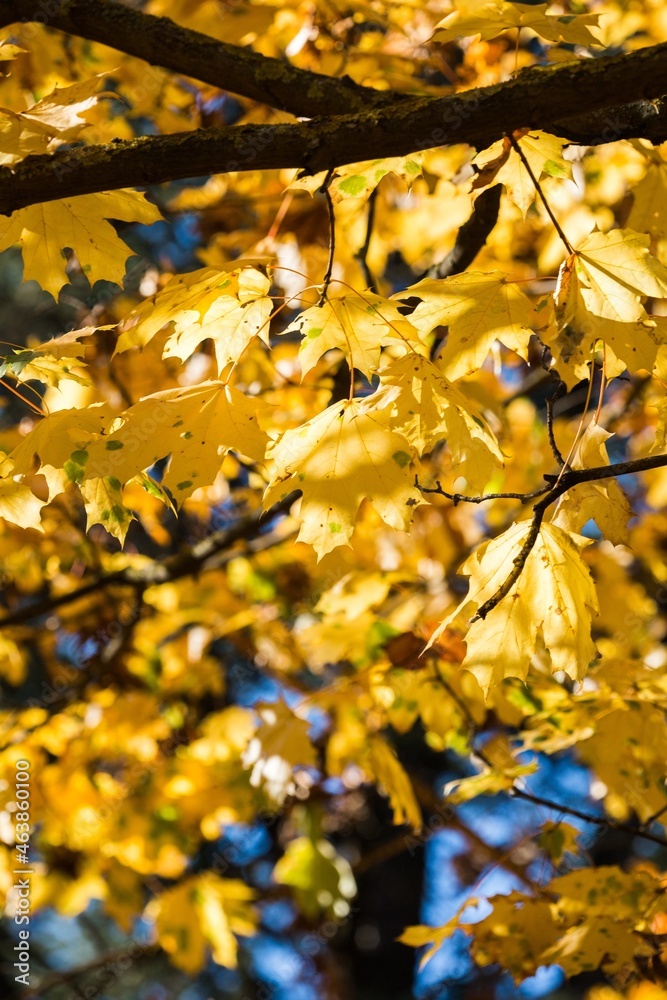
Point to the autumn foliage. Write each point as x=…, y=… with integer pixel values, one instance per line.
x=332, y=488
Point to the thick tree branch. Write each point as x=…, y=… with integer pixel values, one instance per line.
x=161, y=42
x=546, y=98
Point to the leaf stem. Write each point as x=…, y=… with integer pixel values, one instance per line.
x=522, y=156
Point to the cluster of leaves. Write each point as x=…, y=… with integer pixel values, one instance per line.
x=281, y=460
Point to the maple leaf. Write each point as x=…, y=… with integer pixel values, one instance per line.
x=394, y=782
x=516, y=933
x=603, y=502
x=499, y=777
x=51, y=362
x=337, y=459
x=649, y=197
x=230, y=306
x=18, y=504
x=613, y=271
x=500, y=163
x=420, y=935
x=197, y=426
x=358, y=180
x=554, y=596
x=478, y=308
x=56, y=447
x=426, y=407
x=80, y=224
x=359, y=325
x=103, y=500
x=202, y=913
x=598, y=297
x=280, y=744
x=489, y=19
x=56, y=117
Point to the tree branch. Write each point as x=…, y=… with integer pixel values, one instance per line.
x=161, y=42
x=555, y=488
x=188, y=563
x=472, y=235
x=634, y=831
x=546, y=98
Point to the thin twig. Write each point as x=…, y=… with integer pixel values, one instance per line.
x=654, y=817
x=522, y=156
x=332, y=236
x=561, y=391
x=362, y=253
x=634, y=831
x=458, y=498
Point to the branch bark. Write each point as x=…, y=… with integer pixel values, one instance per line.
x=547, y=98
x=161, y=42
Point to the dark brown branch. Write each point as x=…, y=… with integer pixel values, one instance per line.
x=556, y=487
x=589, y=817
x=331, y=216
x=362, y=253
x=200, y=557
x=161, y=42
x=541, y=97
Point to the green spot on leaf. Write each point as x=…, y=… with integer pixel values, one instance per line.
x=354, y=186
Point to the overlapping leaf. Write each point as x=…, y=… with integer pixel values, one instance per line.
x=478, y=308
x=426, y=408
x=554, y=597
x=489, y=19
x=79, y=224
x=230, y=306
x=344, y=455
x=359, y=325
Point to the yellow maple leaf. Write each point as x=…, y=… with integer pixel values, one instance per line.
x=358, y=180
x=280, y=744
x=488, y=18
x=649, y=198
x=420, y=935
x=500, y=163
x=18, y=504
x=103, y=499
x=516, y=933
x=230, y=306
x=394, y=782
x=613, y=270
x=478, y=308
x=426, y=408
x=56, y=117
x=202, y=913
x=603, y=502
x=358, y=325
x=197, y=425
x=80, y=224
x=599, y=297
x=337, y=459
x=50, y=362
x=554, y=596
